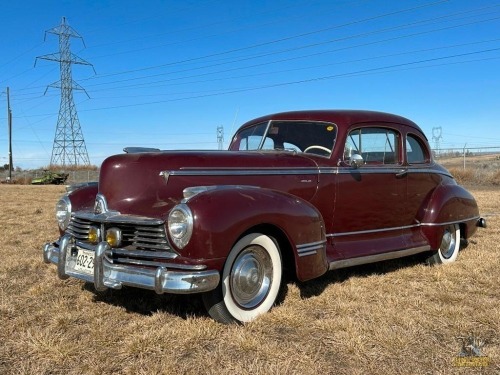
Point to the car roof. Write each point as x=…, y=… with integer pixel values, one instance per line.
x=339, y=117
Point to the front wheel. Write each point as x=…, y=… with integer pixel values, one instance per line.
x=450, y=246
x=251, y=280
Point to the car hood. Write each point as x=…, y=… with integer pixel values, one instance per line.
x=149, y=184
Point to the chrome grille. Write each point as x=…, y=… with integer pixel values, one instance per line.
x=79, y=228
x=134, y=237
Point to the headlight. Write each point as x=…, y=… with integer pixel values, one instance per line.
x=180, y=225
x=63, y=212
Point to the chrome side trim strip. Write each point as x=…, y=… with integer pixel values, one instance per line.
x=450, y=222
x=191, y=191
x=401, y=228
x=239, y=172
x=310, y=248
x=377, y=257
x=294, y=171
x=371, y=231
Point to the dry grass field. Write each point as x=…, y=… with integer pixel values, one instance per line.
x=395, y=317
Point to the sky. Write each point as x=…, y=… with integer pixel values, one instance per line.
x=167, y=74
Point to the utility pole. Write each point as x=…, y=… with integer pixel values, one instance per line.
x=9, y=120
x=69, y=146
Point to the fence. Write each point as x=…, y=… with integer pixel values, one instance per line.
x=465, y=157
x=25, y=177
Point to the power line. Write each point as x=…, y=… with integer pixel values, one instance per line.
x=273, y=41
x=294, y=49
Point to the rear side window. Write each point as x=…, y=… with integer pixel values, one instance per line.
x=416, y=152
x=375, y=145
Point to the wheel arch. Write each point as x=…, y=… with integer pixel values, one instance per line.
x=448, y=204
x=224, y=216
x=283, y=243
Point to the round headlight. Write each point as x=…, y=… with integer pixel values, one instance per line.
x=63, y=212
x=180, y=225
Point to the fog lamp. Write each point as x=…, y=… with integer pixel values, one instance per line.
x=94, y=235
x=114, y=237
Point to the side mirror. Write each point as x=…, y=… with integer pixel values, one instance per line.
x=356, y=161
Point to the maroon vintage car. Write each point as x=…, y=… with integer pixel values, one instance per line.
x=297, y=192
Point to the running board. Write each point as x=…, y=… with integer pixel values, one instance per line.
x=377, y=258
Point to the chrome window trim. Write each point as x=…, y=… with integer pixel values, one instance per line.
x=261, y=144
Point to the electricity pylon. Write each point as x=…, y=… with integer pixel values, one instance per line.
x=220, y=137
x=69, y=146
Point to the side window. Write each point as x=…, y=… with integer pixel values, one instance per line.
x=375, y=145
x=415, y=152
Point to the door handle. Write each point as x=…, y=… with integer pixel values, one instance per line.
x=402, y=173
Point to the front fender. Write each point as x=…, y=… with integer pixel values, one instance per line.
x=448, y=204
x=83, y=197
x=221, y=217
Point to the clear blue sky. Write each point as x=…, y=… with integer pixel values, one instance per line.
x=170, y=72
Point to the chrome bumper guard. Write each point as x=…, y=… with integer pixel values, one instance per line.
x=108, y=275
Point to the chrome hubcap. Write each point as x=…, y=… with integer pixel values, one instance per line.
x=251, y=277
x=448, y=242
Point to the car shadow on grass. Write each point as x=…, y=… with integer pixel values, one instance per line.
x=147, y=302
x=315, y=287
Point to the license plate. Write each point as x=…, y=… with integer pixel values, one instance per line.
x=85, y=261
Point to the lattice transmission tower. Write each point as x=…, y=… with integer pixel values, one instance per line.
x=220, y=137
x=69, y=146
x=437, y=137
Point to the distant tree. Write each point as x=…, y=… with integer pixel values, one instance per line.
x=6, y=167
x=19, y=169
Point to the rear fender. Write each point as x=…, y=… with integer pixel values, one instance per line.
x=448, y=204
x=222, y=216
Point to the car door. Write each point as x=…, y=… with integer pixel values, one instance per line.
x=370, y=199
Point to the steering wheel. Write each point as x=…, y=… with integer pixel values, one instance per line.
x=312, y=147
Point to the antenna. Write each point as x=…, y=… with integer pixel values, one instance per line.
x=69, y=146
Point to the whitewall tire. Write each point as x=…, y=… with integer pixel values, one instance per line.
x=450, y=246
x=250, y=283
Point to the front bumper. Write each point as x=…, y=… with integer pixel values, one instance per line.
x=108, y=275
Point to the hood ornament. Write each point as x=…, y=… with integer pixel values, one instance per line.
x=100, y=205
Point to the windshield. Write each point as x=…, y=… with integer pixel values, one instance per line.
x=299, y=136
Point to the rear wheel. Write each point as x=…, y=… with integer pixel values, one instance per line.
x=250, y=282
x=450, y=246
